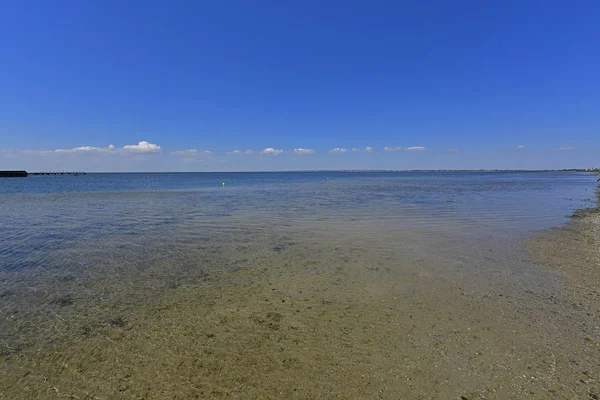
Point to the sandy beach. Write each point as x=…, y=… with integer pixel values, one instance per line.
x=573, y=253
x=324, y=316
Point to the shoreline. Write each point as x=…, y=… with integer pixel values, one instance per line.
x=366, y=171
x=572, y=251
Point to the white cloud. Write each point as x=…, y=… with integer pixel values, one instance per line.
x=85, y=148
x=414, y=148
x=338, y=150
x=81, y=149
x=142, y=147
x=520, y=146
x=566, y=148
x=301, y=151
x=271, y=151
x=191, y=153
x=241, y=153
x=366, y=149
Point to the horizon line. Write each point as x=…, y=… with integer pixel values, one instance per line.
x=333, y=170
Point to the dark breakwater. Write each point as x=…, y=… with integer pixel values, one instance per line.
x=13, y=174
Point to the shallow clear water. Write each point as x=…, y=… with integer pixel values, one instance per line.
x=45, y=219
x=148, y=228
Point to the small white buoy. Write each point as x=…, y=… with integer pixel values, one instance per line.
x=223, y=184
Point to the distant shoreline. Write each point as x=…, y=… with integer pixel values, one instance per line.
x=588, y=170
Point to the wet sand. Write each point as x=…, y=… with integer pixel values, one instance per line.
x=321, y=315
x=573, y=253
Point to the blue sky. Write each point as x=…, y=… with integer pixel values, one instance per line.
x=439, y=84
